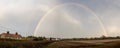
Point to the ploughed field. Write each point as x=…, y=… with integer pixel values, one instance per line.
x=107, y=43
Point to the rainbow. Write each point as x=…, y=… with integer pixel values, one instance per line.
x=77, y=4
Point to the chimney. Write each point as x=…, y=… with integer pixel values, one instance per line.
x=8, y=32
x=16, y=33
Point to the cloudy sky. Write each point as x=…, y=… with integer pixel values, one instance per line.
x=61, y=18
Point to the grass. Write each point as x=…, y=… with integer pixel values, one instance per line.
x=24, y=44
x=58, y=44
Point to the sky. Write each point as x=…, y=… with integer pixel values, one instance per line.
x=61, y=18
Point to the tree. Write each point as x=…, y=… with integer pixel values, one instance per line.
x=103, y=36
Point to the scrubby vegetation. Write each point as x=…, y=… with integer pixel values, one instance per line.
x=24, y=44
x=93, y=38
x=42, y=42
x=36, y=42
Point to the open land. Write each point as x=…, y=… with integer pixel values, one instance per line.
x=106, y=43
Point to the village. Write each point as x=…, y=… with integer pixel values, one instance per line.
x=17, y=36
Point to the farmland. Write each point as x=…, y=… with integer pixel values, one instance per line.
x=106, y=43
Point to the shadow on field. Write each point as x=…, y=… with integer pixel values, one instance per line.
x=24, y=44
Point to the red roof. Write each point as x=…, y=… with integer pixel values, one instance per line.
x=11, y=35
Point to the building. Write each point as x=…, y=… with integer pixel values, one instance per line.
x=10, y=36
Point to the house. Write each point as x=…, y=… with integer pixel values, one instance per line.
x=10, y=36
